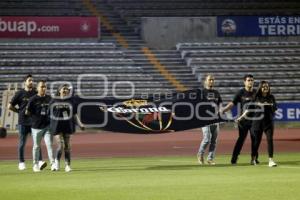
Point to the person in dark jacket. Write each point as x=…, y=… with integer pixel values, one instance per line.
x=263, y=121
x=210, y=132
x=18, y=104
x=37, y=108
x=62, y=124
x=242, y=98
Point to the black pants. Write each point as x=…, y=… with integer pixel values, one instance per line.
x=269, y=131
x=63, y=145
x=243, y=131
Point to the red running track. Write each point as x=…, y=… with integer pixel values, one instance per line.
x=108, y=144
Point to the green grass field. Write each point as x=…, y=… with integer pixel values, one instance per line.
x=156, y=178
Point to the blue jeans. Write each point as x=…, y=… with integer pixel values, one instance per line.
x=210, y=135
x=37, y=135
x=24, y=131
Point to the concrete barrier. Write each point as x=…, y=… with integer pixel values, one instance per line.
x=166, y=32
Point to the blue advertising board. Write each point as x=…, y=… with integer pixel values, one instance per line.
x=286, y=112
x=258, y=26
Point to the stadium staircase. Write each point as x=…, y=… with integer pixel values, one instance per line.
x=280, y=59
x=134, y=45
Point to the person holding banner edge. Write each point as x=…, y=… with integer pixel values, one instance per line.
x=264, y=122
x=210, y=132
x=242, y=98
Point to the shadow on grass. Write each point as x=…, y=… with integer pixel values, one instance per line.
x=151, y=167
x=184, y=167
x=178, y=167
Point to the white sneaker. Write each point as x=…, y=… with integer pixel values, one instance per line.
x=22, y=166
x=56, y=164
x=68, y=168
x=211, y=162
x=36, y=168
x=53, y=167
x=200, y=159
x=42, y=165
x=272, y=163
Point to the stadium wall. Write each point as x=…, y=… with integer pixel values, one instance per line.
x=166, y=32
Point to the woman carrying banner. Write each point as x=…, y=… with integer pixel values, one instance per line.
x=263, y=121
x=210, y=132
x=62, y=124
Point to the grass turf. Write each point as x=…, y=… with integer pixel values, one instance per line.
x=156, y=178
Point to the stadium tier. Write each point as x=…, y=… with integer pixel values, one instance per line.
x=67, y=61
x=127, y=61
x=132, y=10
x=277, y=62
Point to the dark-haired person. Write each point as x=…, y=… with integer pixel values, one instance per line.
x=20, y=99
x=210, y=132
x=264, y=122
x=38, y=108
x=62, y=124
x=243, y=97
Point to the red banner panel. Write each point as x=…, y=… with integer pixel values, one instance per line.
x=49, y=27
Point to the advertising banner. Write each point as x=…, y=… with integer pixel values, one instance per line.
x=288, y=112
x=49, y=27
x=246, y=26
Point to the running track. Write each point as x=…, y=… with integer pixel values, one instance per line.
x=108, y=144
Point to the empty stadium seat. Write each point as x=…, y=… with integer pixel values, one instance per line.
x=276, y=62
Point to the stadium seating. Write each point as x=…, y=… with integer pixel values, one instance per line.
x=54, y=62
x=132, y=10
x=276, y=62
x=65, y=61
x=41, y=8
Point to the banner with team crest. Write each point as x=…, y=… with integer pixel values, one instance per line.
x=186, y=110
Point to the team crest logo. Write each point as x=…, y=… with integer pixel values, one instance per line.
x=135, y=103
x=142, y=115
x=228, y=26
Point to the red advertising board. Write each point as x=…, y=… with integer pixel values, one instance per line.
x=49, y=27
